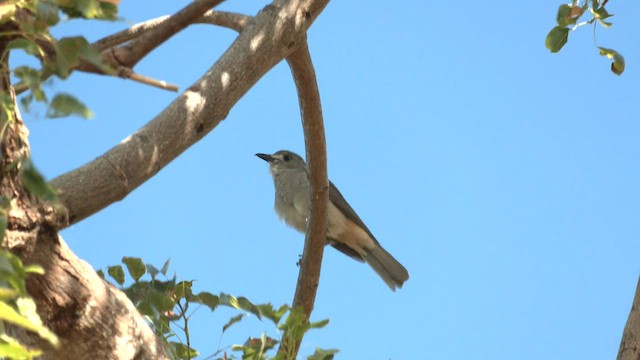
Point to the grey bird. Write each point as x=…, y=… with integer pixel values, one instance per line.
x=345, y=231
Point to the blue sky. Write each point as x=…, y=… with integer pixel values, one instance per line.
x=504, y=177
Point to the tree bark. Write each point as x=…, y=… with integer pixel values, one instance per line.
x=93, y=319
x=630, y=343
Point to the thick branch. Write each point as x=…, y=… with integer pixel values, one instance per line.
x=265, y=41
x=316, y=153
x=630, y=343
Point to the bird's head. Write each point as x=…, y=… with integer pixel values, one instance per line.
x=283, y=160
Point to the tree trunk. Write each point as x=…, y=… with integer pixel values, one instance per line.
x=630, y=343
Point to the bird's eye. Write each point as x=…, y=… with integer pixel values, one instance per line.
x=286, y=157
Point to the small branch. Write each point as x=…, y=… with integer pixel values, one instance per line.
x=630, y=343
x=130, y=54
x=316, y=153
x=129, y=74
x=129, y=34
x=229, y=20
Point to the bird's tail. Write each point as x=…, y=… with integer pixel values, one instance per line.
x=387, y=267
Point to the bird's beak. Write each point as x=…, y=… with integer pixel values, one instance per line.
x=266, y=157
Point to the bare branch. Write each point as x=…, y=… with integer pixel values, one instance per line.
x=314, y=138
x=630, y=343
x=131, y=53
x=229, y=20
x=129, y=34
x=275, y=33
x=129, y=74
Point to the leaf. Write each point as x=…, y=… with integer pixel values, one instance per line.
x=321, y=354
x=556, y=38
x=135, y=266
x=152, y=270
x=165, y=267
x=617, y=66
x=270, y=313
x=28, y=46
x=241, y=303
x=232, y=321
x=207, y=299
x=27, y=318
x=183, y=289
x=100, y=273
x=11, y=348
x=116, y=274
x=184, y=352
x=35, y=183
x=47, y=12
x=64, y=105
x=564, y=13
x=34, y=269
x=319, y=324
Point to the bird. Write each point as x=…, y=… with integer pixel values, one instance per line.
x=346, y=232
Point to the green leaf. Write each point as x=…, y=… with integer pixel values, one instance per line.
x=165, y=267
x=64, y=105
x=11, y=348
x=3, y=224
x=7, y=294
x=152, y=270
x=184, y=352
x=556, y=38
x=27, y=318
x=319, y=324
x=564, y=15
x=47, y=12
x=241, y=303
x=208, y=299
x=232, y=321
x=135, y=266
x=35, y=183
x=617, y=66
x=600, y=13
x=116, y=274
x=34, y=269
x=100, y=273
x=321, y=354
x=183, y=289
x=270, y=313
x=28, y=46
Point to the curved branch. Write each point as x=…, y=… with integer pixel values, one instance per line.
x=130, y=54
x=630, y=343
x=274, y=34
x=316, y=153
x=226, y=19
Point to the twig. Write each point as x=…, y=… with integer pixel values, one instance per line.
x=314, y=138
x=129, y=74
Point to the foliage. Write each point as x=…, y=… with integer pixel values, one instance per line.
x=17, y=308
x=168, y=304
x=26, y=24
x=567, y=19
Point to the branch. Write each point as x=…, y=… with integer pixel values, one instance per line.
x=274, y=33
x=630, y=343
x=314, y=138
x=130, y=54
x=222, y=18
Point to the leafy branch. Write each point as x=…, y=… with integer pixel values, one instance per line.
x=168, y=304
x=567, y=20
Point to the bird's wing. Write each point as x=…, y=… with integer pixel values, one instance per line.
x=339, y=201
